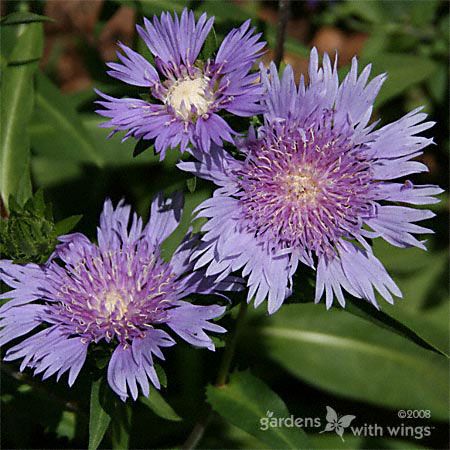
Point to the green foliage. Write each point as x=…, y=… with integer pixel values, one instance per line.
x=347, y=355
x=245, y=400
x=159, y=406
x=63, y=126
x=23, y=17
x=120, y=425
x=99, y=418
x=210, y=46
x=363, y=361
x=29, y=234
x=403, y=72
x=414, y=327
x=17, y=94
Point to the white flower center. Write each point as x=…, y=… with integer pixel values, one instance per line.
x=188, y=92
x=301, y=187
x=115, y=305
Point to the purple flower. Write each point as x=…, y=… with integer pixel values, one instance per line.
x=315, y=184
x=187, y=93
x=119, y=292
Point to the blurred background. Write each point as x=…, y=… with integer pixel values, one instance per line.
x=364, y=363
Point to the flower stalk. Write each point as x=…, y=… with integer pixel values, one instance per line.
x=222, y=376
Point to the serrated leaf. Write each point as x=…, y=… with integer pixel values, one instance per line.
x=347, y=355
x=28, y=235
x=17, y=101
x=159, y=406
x=67, y=224
x=247, y=403
x=99, y=419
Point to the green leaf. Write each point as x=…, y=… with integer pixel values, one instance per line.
x=67, y=425
x=121, y=426
x=67, y=224
x=191, y=201
x=347, y=355
x=423, y=13
x=191, y=183
x=62, y=126
x=419, y=274
x=414, y=327
x=29, y=44
x=370, y=12
x=99, y=419
x=404, y=71
x=210, y=46
x=141, y=146
x=162, y=377
x=159, y=406
x=17, y=100
x=20, y=17
x=29, y=234
x=431, y=331
x=49, y=172
x=247, y=403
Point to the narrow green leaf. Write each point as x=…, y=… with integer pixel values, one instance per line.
x=68, y=133
x=29, y=44
x=414, y=327
x=99, y=419
x=433, y=332
x=17, y=102
x=162, y=377
x=20, y=17
x=159, y=406
x=347, y=355
x=67, y=224
x=247, y=403
x=121, y=426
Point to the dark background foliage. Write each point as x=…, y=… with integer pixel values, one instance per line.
x=361, y=362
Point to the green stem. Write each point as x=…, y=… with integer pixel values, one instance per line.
x=230, y=348
x=222, y=376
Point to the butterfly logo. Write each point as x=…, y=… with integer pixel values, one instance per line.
x=336, y=423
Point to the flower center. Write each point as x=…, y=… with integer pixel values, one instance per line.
x=305, y=189
x=187, y=93
x=115, y=305
x=117, y=294
x=300, y=187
